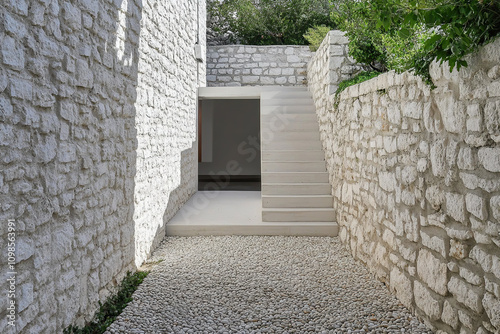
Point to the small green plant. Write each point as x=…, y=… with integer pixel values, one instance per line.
x=363, y=76
x=112, y=307
x=315, y=36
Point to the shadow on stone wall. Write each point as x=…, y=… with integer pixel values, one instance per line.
x=69, y=145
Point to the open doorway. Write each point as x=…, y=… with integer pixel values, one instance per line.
x=229, y=144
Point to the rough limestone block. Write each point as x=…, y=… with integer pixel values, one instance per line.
x=21, y=89
x=495, y=207
x=12, y=53
x=84, y=75
x=425, y=300
x=72, y=15
x=432, y=271
x=476, y=205
x=494, y=89
x=435, y=239
x=466, y=294
x=450, y=315
x=438, y=155
x=455, y=206
x=482, y=257
x=490, y=158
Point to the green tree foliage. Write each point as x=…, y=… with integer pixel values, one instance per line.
x=315, y=36
x=267, y=22
x=410, y=34
x=456, y=28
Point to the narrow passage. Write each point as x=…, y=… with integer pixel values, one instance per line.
x=261, y=285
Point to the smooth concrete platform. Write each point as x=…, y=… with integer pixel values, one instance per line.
x=236, y=213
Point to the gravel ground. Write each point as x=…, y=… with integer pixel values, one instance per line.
x=261, y=285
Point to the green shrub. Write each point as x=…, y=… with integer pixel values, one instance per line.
x=112, y=307
x=454, y=28
x=315, y=36
x=267, y=22
x=359, y=21
x=359, y=78
x=408, y=34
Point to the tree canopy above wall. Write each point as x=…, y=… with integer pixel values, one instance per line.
x=267, y=22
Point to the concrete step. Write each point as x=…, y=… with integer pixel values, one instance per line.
x=310, y=229
x=290, y=145
x=277, y=118
x=272, y=136
x=298, y=214
x=293, y=166
x=291, y=127
x=264, y=102
x=287, y=109
x=296, y=189
x=295, y=177
x=301, y=201
x=285, y=95
x=293, y=155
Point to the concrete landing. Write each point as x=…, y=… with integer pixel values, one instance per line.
x=236, y=213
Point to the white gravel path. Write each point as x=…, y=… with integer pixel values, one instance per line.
x=261, y=285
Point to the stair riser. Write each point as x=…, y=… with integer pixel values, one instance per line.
x=290, y=127
x=288, y=95
x=287, y=109
x=298, y=216
x=306, y=166
x=306, y=155
x=304, y=145
x=297, y=202
x=290, y=136
x=287, y=118
x=291, y=177
x=296, y=189
x=287, y=102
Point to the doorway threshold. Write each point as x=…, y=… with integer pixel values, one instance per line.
x=236, y=213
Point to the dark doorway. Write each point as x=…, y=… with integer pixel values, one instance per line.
x=229, y=145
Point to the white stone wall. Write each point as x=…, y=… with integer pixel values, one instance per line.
x=250, y=65
x=415, y=175
x=97, y=125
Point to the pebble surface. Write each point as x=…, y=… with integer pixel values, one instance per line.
x=236, y=284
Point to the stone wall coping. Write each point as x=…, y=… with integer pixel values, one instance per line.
x=383, y=81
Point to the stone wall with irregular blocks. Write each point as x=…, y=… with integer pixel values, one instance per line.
x=249, y=65
x=415, y=175
x=97, y=125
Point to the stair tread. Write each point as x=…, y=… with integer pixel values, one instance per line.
x=298, y=196
x=298, y=209
x=293, y=172
x=295, y=183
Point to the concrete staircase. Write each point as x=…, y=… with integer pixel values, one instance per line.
x=295, y=185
